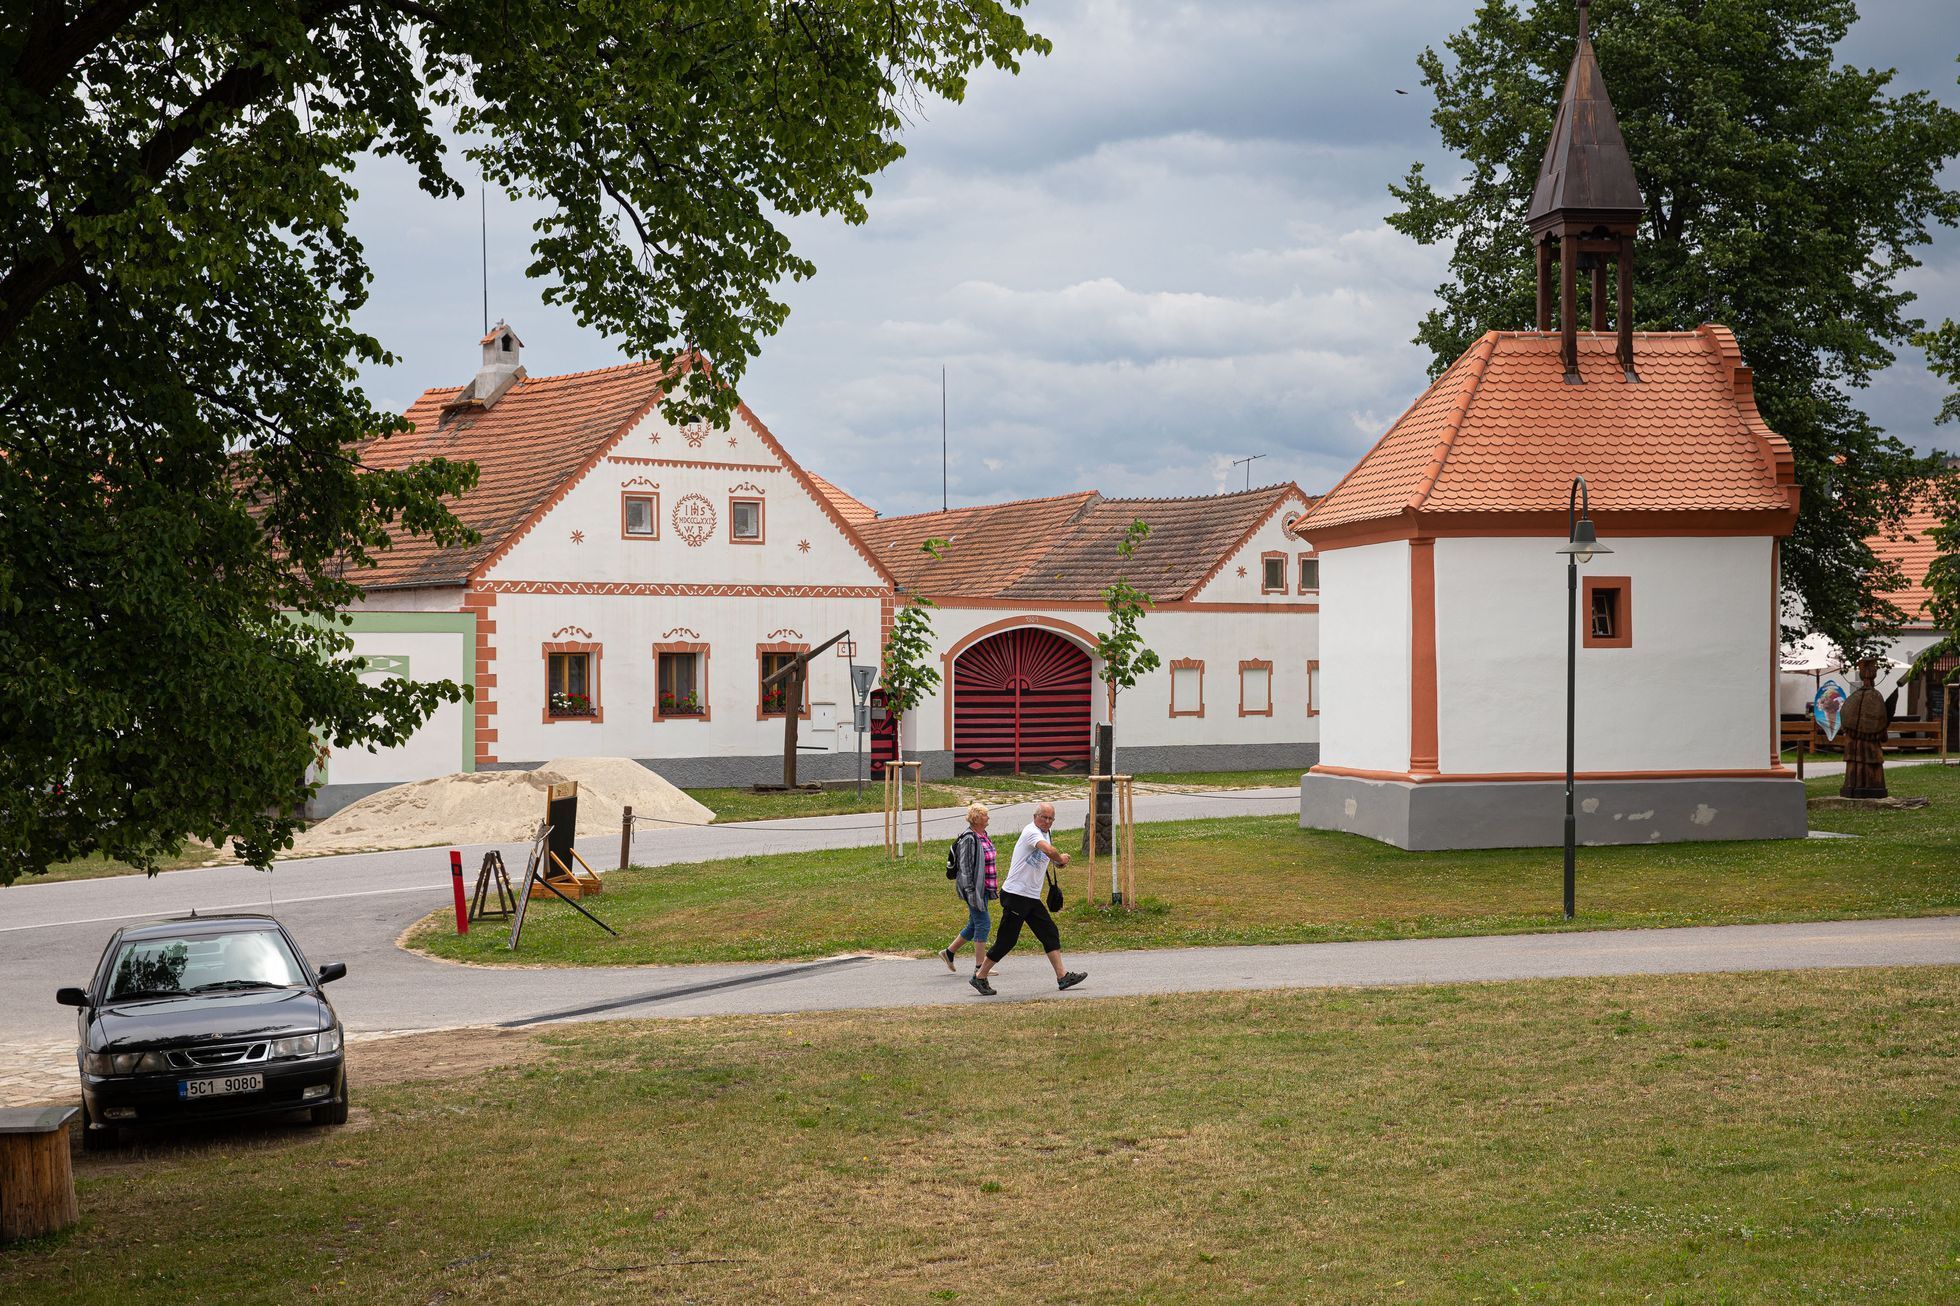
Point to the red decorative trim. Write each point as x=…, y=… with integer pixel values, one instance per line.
x=1097, y=605
x=1255, y=664
x=746, y=487
x=594, y=653
x=1553, y=525
x=652, y=501
x=1267, y=558
x=824, y=505
x=1290, y=492
x=1624, y=637
x=701, y=688
x=479, y=605
x=563, y=631
x=688, y=631
x=557, y=496
x=1300, y=572
x=1423, y=757
x=779, y=647
x=1313, y=707
x=1539, y=777
x=633, y=460
x=761, y=521
x=786, y=633
x=649, y=589
x=1187, y=664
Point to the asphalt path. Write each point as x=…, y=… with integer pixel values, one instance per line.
x=352, y=909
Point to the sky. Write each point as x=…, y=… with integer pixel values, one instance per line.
x=1156, y=251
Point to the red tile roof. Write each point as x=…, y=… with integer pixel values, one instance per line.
x=1501, y=432
x=855, y=511
x=526, y=448
x=1912, y=549
x=1064, y=548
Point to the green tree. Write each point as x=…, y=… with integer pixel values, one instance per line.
x=1125, y=657
x=1942, y=578
x=1785, y=194
x=906, y=672
x=178, y=417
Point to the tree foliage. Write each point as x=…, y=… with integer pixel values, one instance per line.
x=1785, y=194
x=1125, y=657
x=178, y=413
x=1942, y=499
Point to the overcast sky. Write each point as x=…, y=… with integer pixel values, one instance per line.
x=1155, y=251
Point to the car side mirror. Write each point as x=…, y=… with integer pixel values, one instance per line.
x=332, y=971
x=71, y=997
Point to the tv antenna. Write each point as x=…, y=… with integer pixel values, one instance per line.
x=483, y=231
x=942, y=439
x=1235, y=462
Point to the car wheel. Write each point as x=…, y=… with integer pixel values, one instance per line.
x=103, y=1139
x=333, y=1113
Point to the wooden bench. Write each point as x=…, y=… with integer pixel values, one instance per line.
x=1913, y=736
x=37, y=1184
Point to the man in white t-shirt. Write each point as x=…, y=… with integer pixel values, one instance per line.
x=1020, y=901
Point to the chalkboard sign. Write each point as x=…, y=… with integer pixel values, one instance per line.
x=561, y=813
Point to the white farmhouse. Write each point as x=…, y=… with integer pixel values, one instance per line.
x=1444, y=651
x=636, y=582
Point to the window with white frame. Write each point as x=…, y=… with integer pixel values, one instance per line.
x=1272, y=573
x=639, y=516
x=1309, y=573
x=745, y=520
x=1255, y=688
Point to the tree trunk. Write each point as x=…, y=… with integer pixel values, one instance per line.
x=37, y=1186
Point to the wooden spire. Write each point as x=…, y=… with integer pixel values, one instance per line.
x=1586, y=207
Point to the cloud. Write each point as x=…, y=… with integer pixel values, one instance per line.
x=1158, y=250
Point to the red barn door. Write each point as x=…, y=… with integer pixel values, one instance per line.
x=1021, y=703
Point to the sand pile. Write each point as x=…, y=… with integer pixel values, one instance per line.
x=500, y=807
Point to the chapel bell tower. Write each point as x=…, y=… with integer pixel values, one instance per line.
x=1585, y=210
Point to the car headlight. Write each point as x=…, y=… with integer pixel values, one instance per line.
x=308, y=1045
x=124, y=1063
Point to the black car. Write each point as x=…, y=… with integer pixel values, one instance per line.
x=206, y=1018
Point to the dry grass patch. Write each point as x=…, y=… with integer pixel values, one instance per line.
x=1256, y=880
x=1717, y=1138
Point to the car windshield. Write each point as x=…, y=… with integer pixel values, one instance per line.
x=196, y=963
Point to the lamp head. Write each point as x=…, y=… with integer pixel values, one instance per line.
x=1584, y=544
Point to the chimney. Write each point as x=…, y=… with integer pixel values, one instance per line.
x=500, y=369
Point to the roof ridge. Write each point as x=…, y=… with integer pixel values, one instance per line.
x=978, y=507
x=592, y=371
x=1315, y=504
x=1479, y=357
x=1277, y=487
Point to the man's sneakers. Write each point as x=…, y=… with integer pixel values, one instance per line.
x=946, y=955
x=980, y=986
x=1071, y=979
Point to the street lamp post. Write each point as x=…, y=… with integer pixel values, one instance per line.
x=1581, y=545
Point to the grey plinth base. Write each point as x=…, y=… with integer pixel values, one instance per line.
x=1531, y=814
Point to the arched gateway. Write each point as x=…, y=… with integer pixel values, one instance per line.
x=1021, y=703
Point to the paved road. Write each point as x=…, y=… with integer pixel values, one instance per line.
x=353, y=908
x=42, y=1069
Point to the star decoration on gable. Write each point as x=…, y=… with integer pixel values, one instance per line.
x=803, y=546
x=731, y=442
x=578, y=537
x=1241, y=571
x=656, y=437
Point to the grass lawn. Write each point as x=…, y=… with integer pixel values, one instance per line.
x=1734, y=1138
x=1258, y=880
x=741, y=804
x=92, y=868
x=1282, y=778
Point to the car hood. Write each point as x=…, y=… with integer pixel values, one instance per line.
x=207, y=1018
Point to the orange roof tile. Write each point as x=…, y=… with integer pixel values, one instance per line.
x=525, y=447
x=1913, y=550
x=1064, y=548
x=853, y=510
x=1501, y=431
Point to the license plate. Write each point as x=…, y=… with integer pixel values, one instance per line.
x=196, y=1088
